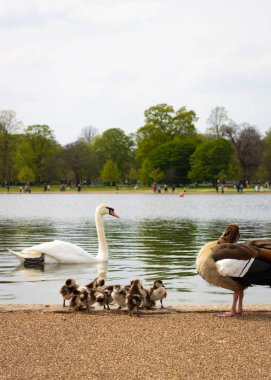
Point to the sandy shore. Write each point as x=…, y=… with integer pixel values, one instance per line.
x=50, y=342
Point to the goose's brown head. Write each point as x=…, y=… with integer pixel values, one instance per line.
x=230, y=235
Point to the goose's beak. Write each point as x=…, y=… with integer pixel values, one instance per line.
x=113, y=213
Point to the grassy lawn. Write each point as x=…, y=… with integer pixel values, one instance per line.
x=129, y=189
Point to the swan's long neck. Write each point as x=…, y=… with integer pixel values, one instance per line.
x=103, y=250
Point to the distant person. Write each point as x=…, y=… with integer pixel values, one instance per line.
x=173, y=188
x=79, y=187
x=158, y=189
x=154, y=187
x=62, y=188
x=165, y=188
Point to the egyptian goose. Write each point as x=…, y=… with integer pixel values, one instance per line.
x=235, y=266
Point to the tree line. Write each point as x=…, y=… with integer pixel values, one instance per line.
x=167, y=148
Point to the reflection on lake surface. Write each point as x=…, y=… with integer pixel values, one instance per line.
x=158, y=236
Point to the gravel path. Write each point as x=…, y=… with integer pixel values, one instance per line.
x=39, y=342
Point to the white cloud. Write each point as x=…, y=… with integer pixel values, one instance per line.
x=70, y=63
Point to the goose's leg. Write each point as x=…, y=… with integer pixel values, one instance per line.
x=240, y=302
x=233, y=311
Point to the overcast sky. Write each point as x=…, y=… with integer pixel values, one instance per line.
x=73, y=63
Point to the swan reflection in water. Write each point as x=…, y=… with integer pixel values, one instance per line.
x=61, y=271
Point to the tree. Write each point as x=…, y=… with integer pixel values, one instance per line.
x=110, y=172
x=162, y=124
x=26, y=175
x=9, y=122
x=210, y=160
x=249, y=147
x=79, y=162
x=133, y=175
x=115, y=145
x=173, y=158
x=8, y=126
x=89, y=133
x=36, y=151
x=144, y=172
x=217, y=120
x=266, y=163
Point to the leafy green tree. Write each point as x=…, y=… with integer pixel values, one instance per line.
x=116, y=146
x=144, y=172
x=110, y=172
x=162, y=124
x=210, y=160
x=36, y=149
x=133, y=175
x=173, y=158
x=26, y=175
x=78, y=162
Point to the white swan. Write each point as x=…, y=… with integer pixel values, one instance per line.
x=58, y=251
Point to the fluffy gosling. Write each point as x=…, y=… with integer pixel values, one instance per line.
x=135, y=297
x=119, y=294
x=82, y=297
x=67, y=290
x=104, y=297
x=158, y=292
x=97, y=283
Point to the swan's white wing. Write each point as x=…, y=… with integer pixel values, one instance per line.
x=58, y=251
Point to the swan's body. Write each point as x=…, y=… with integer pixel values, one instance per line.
x=58, y=251
x=235, y=266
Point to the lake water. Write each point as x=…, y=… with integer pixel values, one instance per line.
x=157, y=237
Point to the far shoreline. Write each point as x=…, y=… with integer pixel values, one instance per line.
x=141, y=192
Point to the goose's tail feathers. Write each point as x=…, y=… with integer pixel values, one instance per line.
x=263, y=248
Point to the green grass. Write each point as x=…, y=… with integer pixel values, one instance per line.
x=123, y=188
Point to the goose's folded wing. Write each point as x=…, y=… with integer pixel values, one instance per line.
x=234, y=251
x=234, y=259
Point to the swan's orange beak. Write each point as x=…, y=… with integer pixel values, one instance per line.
x=111, y=212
